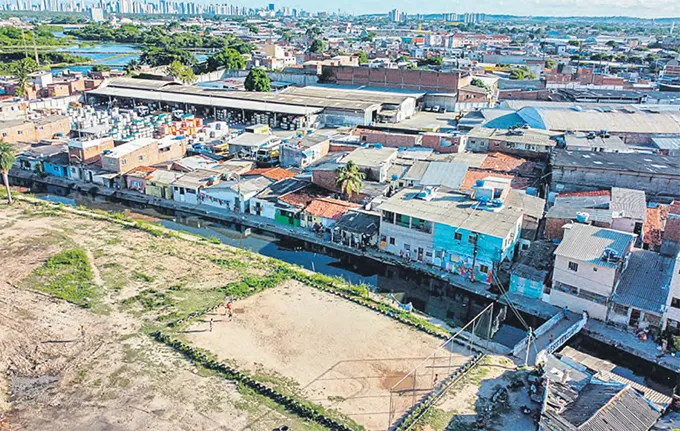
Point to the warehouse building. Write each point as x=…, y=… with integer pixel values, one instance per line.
x=293, y=109
x=657, y=176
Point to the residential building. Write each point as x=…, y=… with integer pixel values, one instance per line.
x=322, y=213
x=143, y=152
x=304, y=152
x=267, y=203
x=357, y=229
x=31, y=131
x=136, y=178
x=233, y=195
x=247, y=144
x=521, y=142
x=159, y=183
x=86, y=151
x=530, y=275
x=589, y=263
x=450, y=230
x=187, y=187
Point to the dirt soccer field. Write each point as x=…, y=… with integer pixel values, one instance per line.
x=330, y=350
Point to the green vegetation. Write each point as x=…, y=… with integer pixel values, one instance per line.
x=521, y=73
x=478, y=83
x=149, y=299
x=363, y=57
x=181, y=72
x=350, y=179
x=317, y=47
x=550, y=63
x=155, y=56
x=228, y=58
x=7, y=159
x=292, y=403
x=20, y=69
x=15, y=37
x=258, y=80
x=66, y=275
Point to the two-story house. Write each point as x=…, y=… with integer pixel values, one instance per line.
x=589, y=263
x=464, y=235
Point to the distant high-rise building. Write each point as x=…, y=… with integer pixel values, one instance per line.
x=96, y=14
x=272, y=7
x=394, y=15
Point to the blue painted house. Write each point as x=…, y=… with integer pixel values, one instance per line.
x=465, y=235
x=57, y=165
x=530, y=275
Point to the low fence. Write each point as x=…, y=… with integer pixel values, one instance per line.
x=520, y=347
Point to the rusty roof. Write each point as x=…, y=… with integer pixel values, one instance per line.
x=276, y=174
x=329, y=208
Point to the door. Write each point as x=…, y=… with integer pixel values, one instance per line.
x=634, y=317
x=420, y=254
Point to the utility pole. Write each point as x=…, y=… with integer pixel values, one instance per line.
x=35, y=49
x=23, y=38
x=529, y=337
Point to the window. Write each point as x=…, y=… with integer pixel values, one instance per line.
x=388, y=217
x=403, y=220
x=675, y=303
x=123, y=162
x=484, y=269
x=392, y=240
x=4, y=134
x=438, y=254
x=620, y=309
x=472, y=238
x=141, y=158
x=591, y=296
x=407, y=247
x=458, y=236
x=20, y=132
x=573, y=266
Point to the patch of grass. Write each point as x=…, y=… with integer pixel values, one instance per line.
x=436, y=419
x=66, y=275
x=150, y=299
x=140, y=276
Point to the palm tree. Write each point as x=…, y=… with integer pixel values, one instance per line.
x=7, y=159
x=350, y=179
x=132, y=66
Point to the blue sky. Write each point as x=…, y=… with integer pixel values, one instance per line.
x=639, y=8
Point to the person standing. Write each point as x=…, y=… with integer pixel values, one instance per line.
x=211, y=324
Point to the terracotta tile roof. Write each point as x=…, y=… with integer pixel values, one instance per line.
x=655, y=224
x=585, y=194
x=675, y=207
x=141, y=171
x=501, y=162
x=304, y=197
x=275, y=174
x=471, y=178
x=329, y=208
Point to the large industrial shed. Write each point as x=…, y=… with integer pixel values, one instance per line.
x=304, y=106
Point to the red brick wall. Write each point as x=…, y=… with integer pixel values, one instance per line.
x=393, y=78
x=341, y=148
x=553, y=228
x=434, y=141
x=393, y=140
x=325, y=179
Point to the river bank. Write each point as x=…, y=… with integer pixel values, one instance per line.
x=416, y=274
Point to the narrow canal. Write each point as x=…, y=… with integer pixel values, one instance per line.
x=427, y=294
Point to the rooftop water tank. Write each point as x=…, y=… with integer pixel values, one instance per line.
x=479, y=183
x=582, y=217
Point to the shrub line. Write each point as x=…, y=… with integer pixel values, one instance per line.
x=305, y=410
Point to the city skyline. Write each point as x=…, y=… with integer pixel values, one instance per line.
x=547, y=8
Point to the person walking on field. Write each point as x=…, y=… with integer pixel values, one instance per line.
x=82, y=331
x=211, y=324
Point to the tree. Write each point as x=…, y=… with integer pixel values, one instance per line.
x=350, y=179
x=229, y=58
x=21, y=69
x=132, y=66
x=317, y=46
x=363, y=57
x=101, y=68
x=574, y=43
x=7, y=159
x=435, y=61
x=155, y=57
x=478, y=83
x=179, y=71
x=257, y=80
x=550, y=63
x=522, y=72
x=612, y=43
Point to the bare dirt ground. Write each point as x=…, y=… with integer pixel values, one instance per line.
x=465, y=401
x=330, y=350
x=116, y=377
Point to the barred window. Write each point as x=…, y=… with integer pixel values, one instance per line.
x=591, y=296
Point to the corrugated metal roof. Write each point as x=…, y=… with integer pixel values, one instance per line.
x=645, y=282
x=587, y=244
x=642, y=163
x=633, y=203
x=667, y=143
x=445, y=174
